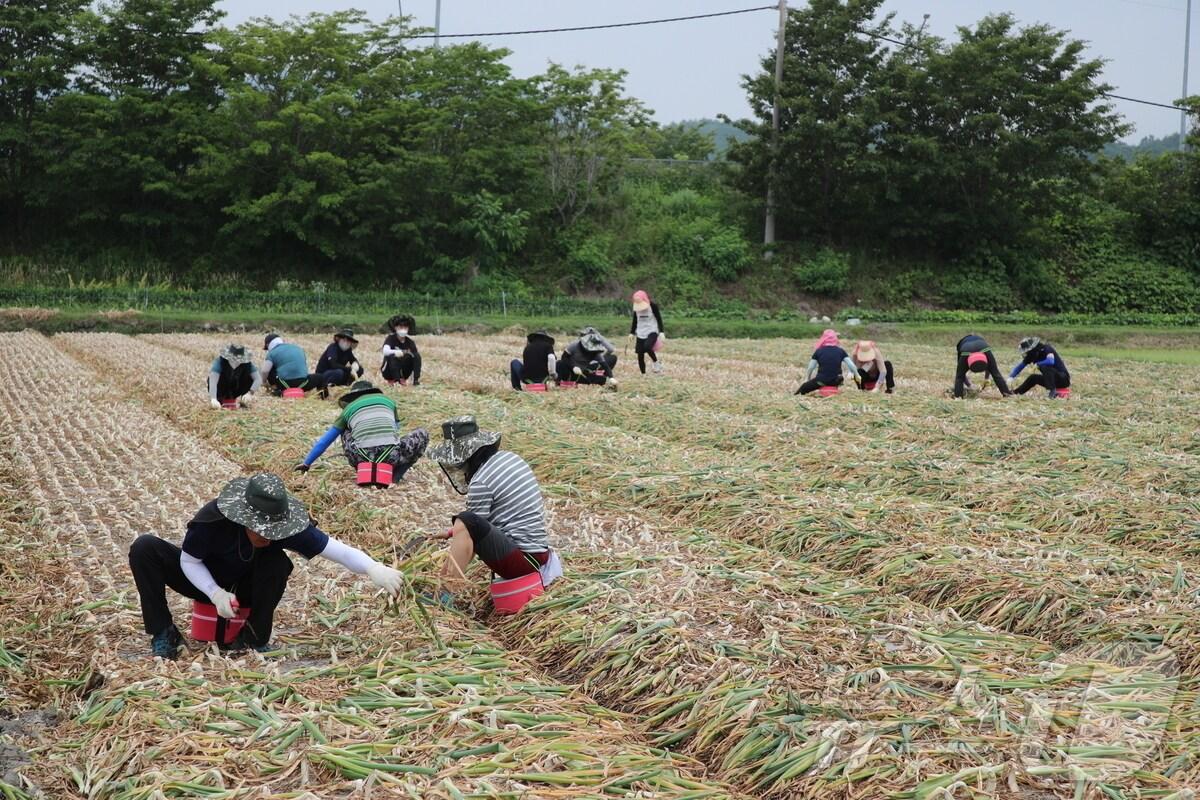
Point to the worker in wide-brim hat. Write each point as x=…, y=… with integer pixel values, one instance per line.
x=338, y=364
x=401, y=358
x=369, y=426
x=589, y=359
x=504, y=522
x=233, y=555
x=874, y=371
x=233, y=376
x=1052, y=374
x=975, y=355
x=537, y=363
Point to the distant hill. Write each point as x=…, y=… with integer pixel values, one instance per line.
x=722, y=132
x=1149, y=145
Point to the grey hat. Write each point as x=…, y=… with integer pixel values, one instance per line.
x=262, y=504
x=462, y=439
x=359, y=389
x=1028, y=343
x=592, y=342
x=235, y=354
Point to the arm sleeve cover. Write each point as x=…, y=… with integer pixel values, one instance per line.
x=1048, y=361
x=812, y=367
x=321, y=445
x=349, y=557
x=1017, y=370
x=254, y=387
x=213, y=377
x=850, y=366
x=198, y=574
x=657, y=317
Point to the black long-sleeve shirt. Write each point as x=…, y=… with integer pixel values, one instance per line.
x=335, y=357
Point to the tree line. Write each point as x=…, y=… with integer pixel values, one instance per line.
x=968, y=172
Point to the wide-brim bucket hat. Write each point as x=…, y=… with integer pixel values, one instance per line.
x=263, y=504
x=1028, y=343
x=357, y=390
x=865, y=351
x=462, y=438
x=346, y=333
x=235, y=354
x=540, y=334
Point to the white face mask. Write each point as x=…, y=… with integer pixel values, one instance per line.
x=402, y=332
x=344, y=345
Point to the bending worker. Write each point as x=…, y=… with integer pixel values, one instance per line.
x=589, y=359
x=1053, y=373
x=975, y=355
x=368, y=426
x=825, y=366
x=874, y=372
x=338, y=364
x=287, y=366
x=537, y=362
x=233, y=376
x=233, y=555
x=504, y=523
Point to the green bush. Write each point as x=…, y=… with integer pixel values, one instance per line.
x=590, y=263
x=980, y=281
x=1132, y=284
x=825, y=272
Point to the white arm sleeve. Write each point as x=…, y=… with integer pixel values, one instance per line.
x=551, y=364
x=254, y=387
x=198, y=574
x=349, y=557
x=213, y=377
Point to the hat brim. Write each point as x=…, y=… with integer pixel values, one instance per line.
x=456, y=451
x=350, y=397
x=344, y=336
x=867, y=355
x=236, y=360
x=640, y=305
x=231, y=502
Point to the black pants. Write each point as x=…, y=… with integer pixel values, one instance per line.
x=645, y=347
x=809, y=387
x=401, y=368
x=338, y=376
x=155, y=566
x=516, y=372
x=312, y=381
x=598, y=372
x=1051, y=378
x=232, y=386
x=889, y=381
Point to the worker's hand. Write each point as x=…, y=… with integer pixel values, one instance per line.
x=225, y=602
x=361, y=371
x=438, y=537
x=385, y=578
x=246, y=400
x=632, y=336
x=578, y=371
x=302, y=467
x=214, y=403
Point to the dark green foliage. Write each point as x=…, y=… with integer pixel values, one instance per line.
x=824, y=272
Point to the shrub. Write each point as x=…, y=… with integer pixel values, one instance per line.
x=825, y=272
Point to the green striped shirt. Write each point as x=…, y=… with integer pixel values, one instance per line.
x=370, y=420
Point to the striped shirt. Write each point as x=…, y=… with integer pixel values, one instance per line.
x=505, y=492
x=371, y=421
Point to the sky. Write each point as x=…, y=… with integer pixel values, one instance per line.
x=688, y=70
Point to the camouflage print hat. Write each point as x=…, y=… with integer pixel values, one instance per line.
x=235, y=354
x=462, y=439
x=262, y=504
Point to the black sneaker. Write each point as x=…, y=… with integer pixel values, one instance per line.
x=240, y=643
x=166, y=643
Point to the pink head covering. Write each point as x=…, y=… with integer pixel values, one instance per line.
x=641, y=297
x=828, y=339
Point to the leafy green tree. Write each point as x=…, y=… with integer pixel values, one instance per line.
x=681, y=141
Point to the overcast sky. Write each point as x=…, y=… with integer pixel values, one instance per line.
x=693, y=69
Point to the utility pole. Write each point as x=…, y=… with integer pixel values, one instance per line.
x=437, y=24
x=1187, y=51
x=769, y=226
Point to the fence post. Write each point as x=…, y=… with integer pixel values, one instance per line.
x=503, y=302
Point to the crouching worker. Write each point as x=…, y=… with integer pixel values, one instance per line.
x=233, y=556
x=589, y=359
x=537, y=363
x=1053, y=374
x=287, y=367
x=338, y=364
x=825, y=366
x=975, y=355
x=504, y=522
x=233, y=378
x=401, y=359
x=368, y=426
x=874, y=373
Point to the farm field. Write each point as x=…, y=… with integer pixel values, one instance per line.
x=868, y=596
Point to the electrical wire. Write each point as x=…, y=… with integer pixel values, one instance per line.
x=595, y=27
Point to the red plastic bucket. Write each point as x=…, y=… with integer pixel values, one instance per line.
x=567, y=384
x=293, y=394
x=828, y=391
x=976, y=358
x=1063, y=393
x=512, y=595
x=207, y=624
x=231, y=405
x=370, y=474
x=535, y=387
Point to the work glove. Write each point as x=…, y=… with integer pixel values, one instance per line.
x=303, y=467
x=215, y=403
x=385, y=578
x=225, y=602
x=577, y=371
x=360, y=370
x=632, y=336
x=246, y=400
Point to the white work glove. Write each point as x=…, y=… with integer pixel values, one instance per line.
x=577, y=371
x=246, y=400
x=215, y=403
x=385, y=578
x=225, y=602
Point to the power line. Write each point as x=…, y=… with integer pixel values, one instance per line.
x=596, y=27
